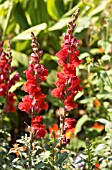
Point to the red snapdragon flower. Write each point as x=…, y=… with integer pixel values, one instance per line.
x=38, y=128
x=26, y=104
x=34, y=102
x=5, y=81
x=69, y=123
x=69, y=129
x=68, y=84
x=35, y=74
x=10, y=102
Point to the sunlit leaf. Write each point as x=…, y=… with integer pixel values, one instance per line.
x=84, y=55
x=20, y=57
x=106, y=57
x=17, y=85
x=25, y=35
x=78, y=95
x=104, y=121
x=99, y=8
x=55, y=8
x=60, y=24
x=80, y=123
x=45, y=155
x=71, y=11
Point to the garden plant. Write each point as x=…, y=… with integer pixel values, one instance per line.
x=55, y=85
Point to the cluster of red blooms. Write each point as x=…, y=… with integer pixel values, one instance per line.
x=5, y=81
x=68, y=83
x=33, y=103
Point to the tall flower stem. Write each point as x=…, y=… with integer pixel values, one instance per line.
x=68, y=83
x=34, y=102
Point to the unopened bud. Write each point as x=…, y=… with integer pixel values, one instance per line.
x=40, y=53
x=66, y=36
x=87, y=141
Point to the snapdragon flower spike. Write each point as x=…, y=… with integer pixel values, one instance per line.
x=5, y=81
x=68, y=84
x=33, y=103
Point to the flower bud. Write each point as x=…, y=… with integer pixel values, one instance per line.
x=70, y=30
x=40, y=53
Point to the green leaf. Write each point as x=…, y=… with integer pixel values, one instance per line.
x=15, y=160
x=100, y=147
x=37, y=11
x=39, y=165
x=20, y=141
x=104, y=96
x=80, y=123
x=55, y=8
x=45, y=155
x=61, y=158
x=104, y=121
x=108, y=127
x=60, y=24
x=99, y=8
x=71, y=11
x=106, y=57
x=25, y=35
x=94, y=51
x=20, y=17
x=6, y=119
x=20, y=57
x=17, y=85
x=2, y=99
x=50, y=62
x=10, y=8
x=83, y=24
x=78, y=95
x=84, y=55
x=54, y=101
x=85, y=100
x=105, y=45
x=52, y=77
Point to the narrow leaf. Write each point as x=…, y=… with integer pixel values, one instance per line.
x=60, y=24
x=20, y=57
x=80, y=123
x=55, y=8
x=20, y=17
x=25, y=35
x=104, y=121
